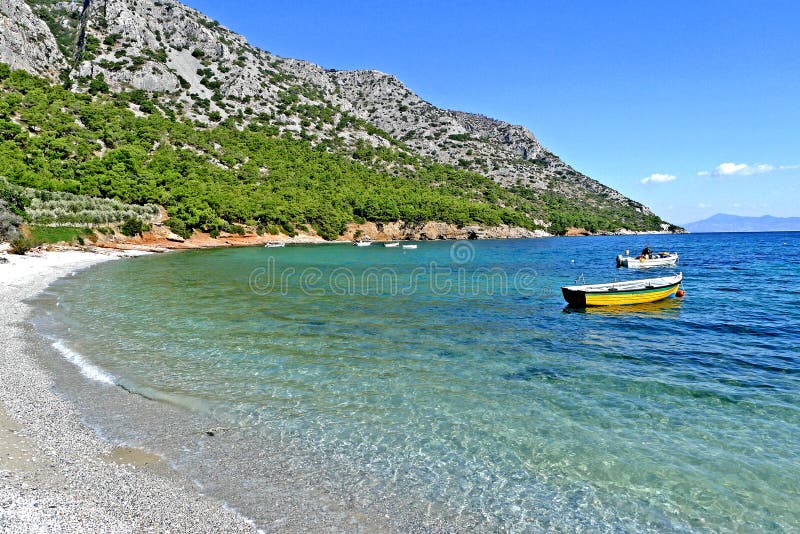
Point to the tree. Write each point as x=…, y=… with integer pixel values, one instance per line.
x=98, y=84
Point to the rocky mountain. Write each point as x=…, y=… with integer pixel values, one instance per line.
x=193, y=67
x=735, y=223
x=26, y=42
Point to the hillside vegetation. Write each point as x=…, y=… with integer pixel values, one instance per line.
x=124, y=146
x=54, y=216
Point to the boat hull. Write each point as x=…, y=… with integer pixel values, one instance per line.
x=619, y=295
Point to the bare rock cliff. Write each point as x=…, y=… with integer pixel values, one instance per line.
x=26, y=42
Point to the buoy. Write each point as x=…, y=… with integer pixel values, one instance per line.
x=680, y=293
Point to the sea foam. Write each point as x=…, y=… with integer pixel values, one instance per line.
x=88, y=370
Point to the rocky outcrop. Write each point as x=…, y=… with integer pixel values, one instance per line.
x=430, y=230
x=26, y=42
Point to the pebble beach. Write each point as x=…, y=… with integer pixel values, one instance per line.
x=56, y=473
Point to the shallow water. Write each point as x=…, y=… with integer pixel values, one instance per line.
x=452, y=380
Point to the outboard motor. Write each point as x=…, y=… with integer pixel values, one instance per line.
x=619, y=260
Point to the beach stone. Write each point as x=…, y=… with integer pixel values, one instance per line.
x=72, y=487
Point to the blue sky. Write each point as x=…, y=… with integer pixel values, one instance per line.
x=701, y=97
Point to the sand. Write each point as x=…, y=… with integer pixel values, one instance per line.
x=57, y=474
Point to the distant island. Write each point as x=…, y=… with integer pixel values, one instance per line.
x=734, y=223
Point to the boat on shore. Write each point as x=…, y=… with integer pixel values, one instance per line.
x=275, y=245
x=659, y=259
x=622, y=293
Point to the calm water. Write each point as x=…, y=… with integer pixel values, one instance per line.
x=452, y=375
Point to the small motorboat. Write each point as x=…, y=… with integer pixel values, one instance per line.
x=391, y=245
x=621, y=293
x=658, y=259
x=274, y=244
x=362, y=243
x=410, y=246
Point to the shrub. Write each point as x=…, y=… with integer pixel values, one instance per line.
x=21, y=245
x=147, y=107
x=179, y=228
x=272, y=229
x=92, y=44
x=98, y=84
x=112, y=39
x=133, y=226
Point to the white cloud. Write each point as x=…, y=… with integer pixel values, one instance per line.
x=736, y=205
x=703, y=206
x=728, y=169
x=743, y=169
x=657, y=177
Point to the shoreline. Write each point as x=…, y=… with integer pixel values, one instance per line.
x=161, y=239
x=57, y=474
x=77, y=451
x=204, y=242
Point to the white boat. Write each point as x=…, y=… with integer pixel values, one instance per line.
x=391, y=245
x=411, y=246
x=658, y=259
x=362, y=243
x=275, y=245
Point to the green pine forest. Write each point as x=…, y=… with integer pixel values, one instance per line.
x=133, y=148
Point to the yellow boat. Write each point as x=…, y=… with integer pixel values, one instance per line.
x=621, y=293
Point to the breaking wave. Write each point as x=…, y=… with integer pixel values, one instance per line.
x=92, y=372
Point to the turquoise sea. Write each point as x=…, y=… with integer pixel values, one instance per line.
x=452, y=382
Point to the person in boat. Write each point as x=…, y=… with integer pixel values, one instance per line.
x=646, y=252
